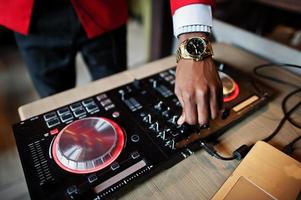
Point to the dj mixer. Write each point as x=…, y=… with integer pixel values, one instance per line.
x=93, y=148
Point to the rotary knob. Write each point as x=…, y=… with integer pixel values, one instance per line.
x=147, y=118
x=159, y=106
x=122, y=94
x=155, y=127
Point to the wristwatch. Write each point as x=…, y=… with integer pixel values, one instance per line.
x=194, y=48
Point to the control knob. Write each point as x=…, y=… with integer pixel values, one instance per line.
x=159, y=106
x=148, y=118
x=155, y=126
x=122, y=94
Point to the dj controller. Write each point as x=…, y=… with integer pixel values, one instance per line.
x=93, y=148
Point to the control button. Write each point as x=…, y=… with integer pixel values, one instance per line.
x=109, y=107
x=76, y=106
x=148, y=119
x=66, y=117
x=135, y=155
x=170, y=144
x=187, y=129
x=54, y=131
x=159, y=105
x=72, y=190
x=154, y=83
x=79, y=112
x=115, y=166
x=115, y=114
x=225, y=113
x=162, y=135
x=122, y=94
x=49, y=116
x=164, y=91
x=174, y=119
x=130, y=105
x=168, y=133
x=134, y=102
x=101, y=97
x=163, y=74
x=135, y=138
x=156, y=126
x=166, y=113
x=92, y=107
x=88, y=101
x=106, y=102
x=53, y=122
x=63, y=111
x=92, y=178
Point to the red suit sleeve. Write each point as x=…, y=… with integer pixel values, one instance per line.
x=175, y=4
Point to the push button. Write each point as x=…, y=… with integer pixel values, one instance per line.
x=87, y=102
x=135, y=138
x=92, y=178
x=79, y=112
x=115, y=166
x=91, y=107
x=76, y=106
x=135, y=155
x=49, y=116
x=101, y=97
x=72, y=190
x=54, y=131
x=66, y=117
x=225, y=113
x=106, y=102
x=53, y=122
x=63, y=111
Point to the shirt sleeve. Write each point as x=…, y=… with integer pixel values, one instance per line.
x=192, y=18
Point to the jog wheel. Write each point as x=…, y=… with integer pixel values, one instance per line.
x=230, y=87
x=88, y=145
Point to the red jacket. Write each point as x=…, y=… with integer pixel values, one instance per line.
x=96, y=16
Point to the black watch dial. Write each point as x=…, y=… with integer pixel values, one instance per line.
x=195, y=46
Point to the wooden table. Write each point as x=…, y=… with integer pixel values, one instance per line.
x=199, y=176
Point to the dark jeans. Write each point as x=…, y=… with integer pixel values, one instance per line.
x=56, y=35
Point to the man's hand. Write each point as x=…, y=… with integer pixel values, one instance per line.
x=198, y=88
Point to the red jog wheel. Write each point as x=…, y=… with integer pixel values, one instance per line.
x=88, y=145
x=230, y=87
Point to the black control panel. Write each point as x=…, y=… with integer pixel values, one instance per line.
x=147, y=111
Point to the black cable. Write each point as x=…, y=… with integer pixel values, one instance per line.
x=281, y=65
x=289, y=148
x=284, y=109
x=281, y=123
x=209, y=148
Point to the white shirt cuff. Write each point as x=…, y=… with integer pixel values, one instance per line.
x=192, y=18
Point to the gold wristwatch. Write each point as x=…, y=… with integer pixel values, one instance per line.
x=194, y=48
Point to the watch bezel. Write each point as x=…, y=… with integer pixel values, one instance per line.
x=200, y=55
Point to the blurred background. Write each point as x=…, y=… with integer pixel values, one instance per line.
x=274, y=24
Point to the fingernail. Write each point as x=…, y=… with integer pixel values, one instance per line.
x=180, y=120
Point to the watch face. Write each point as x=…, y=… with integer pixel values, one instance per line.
x=195, y=46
